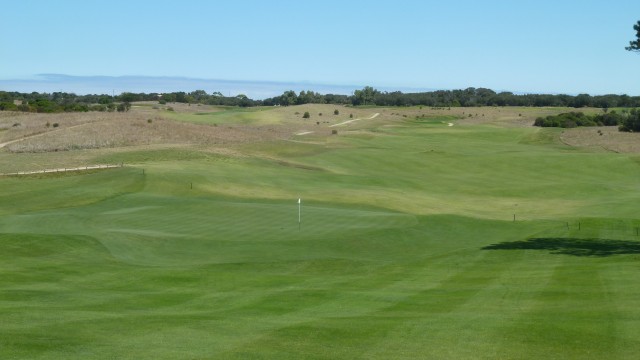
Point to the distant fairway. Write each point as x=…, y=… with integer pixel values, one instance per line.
x=407, y=249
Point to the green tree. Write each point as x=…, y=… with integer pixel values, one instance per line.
x=128, y=97
x=365, y=96
x=635, y=45
x=198, y=95
x=288, y=98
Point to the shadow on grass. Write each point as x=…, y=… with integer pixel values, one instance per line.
x=572, y=246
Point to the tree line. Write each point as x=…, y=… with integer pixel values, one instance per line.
x=368, y=96
x=456, y=98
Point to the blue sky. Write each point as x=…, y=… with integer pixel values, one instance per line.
x=523, y=46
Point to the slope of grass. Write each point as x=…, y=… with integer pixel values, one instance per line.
x=407, y=249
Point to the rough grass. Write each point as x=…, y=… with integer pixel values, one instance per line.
x=121, y=130
x=603, y=138
x=407, y=248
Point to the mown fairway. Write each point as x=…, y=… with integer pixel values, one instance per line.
x=407, y=249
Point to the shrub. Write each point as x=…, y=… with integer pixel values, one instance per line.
x=566, y=120
x=610, y=119
x=336, y=112
x=55, y=125
x=334, y=132
x=350, y=116
x=319, y=114
x=306, y=115
x=149, y=121
x=8, y=106
x=632, y=122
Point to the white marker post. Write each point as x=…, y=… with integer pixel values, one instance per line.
x=299, y=213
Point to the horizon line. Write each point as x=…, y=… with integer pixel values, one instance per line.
x=261, y=89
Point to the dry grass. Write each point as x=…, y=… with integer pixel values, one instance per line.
x=153, y=107
x=608, y=138
x=111, y=130
x=150, y=124
x=18, y=125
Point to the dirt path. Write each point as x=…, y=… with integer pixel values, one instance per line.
x=353, y=120
x=37, y=135
x=47, y=171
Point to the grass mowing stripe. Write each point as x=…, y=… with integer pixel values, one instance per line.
x=574, y=305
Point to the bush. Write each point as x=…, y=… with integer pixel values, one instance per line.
x=306, y=115
x=8, y=106
x=566, y=120
x=336, y=112
x=610, y=119
x=632, y=122
x=123, y=107
x=319, y=114
x=55, y=125
x=334, y=132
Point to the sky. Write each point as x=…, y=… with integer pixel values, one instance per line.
x=538, y=46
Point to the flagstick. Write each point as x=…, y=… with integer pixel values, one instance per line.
x=299, y=214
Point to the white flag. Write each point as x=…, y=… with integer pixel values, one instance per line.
x=299, y=200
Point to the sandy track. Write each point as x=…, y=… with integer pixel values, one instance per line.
x=38, y=135
x=353, y=120
x=47, y=171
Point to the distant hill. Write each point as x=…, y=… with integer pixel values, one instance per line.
x=82, y=85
